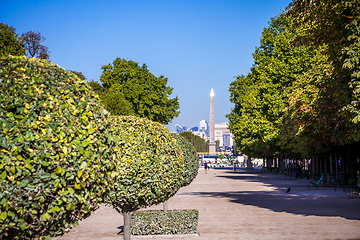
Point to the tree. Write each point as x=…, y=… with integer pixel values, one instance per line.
x=96, y=87
x=217, y=144
x=9, y=42
x=200, y=144
x=116, y=103
x=262, y=96
x=33, y=46
x=147, y=94
x=149, y=165
x=54, y=163
x=80, y=75
x=335, y=24
x=191, y=159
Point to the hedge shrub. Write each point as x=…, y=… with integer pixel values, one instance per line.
x=191, y=159
x=53, y=161
x=157, y=222
x=149, y=163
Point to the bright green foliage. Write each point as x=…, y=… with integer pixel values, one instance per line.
x=116, y=103
x=244, y=119
x=335, y=24
x=9, y=42
x=261, y=97
x=147, y=94
x=95, y=86
x=199, y=143
x=149, y=163
x=53, y=163
x=191, y=159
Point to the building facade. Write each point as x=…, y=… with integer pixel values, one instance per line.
x=222, y=133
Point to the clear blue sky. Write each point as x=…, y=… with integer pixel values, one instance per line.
x=197, y=45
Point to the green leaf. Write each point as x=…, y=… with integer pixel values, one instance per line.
x=3, y=215
x=3, y=175
x=44, y=163
x=58, y=170
x=24, y=182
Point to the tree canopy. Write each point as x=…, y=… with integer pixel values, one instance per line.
x=10, y=44
x=200, y=144
x=302, y=94
x=136, y=86
x=33, y=46
x=261, y=97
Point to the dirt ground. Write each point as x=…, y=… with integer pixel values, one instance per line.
x=246, y=204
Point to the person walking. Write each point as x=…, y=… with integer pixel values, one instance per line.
x=205, y=167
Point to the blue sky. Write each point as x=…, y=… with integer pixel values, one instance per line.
x=197, y=45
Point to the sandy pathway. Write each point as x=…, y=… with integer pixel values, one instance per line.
x=247, y=205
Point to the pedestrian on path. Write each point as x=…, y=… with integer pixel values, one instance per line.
x=205, y=167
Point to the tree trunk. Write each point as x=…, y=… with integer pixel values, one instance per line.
x=165, y=206
x=127, y=221
x=249, y=164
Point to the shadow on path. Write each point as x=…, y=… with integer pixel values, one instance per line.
x=320, y=206
x=300, y=202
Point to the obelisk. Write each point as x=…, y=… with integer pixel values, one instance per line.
x=212, y=143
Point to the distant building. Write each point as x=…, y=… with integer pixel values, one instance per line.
x=226, y=139
x=204, y=127
x=201, y=134
x=222, y=133
x=179, y=128
x=194, y=129
x=220, y=130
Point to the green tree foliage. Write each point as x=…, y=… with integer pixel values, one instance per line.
x=149, y=169
x=191, y=159
x=147, y=94
x=9, y=42
x=200, y=144
x=95, y=86
x=33, y=46
x=80, y=75
x=217, y=144
x=302, y=95
x=261, y=97
x=53, y=159
x=335, y=24
x=116, y=103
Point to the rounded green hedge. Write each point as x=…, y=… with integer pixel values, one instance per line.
x=191, y=159
x=149, y=163
x=53, y=160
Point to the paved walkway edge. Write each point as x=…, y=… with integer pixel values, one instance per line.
x=167, y=236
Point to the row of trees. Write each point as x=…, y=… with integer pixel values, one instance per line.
x=62, y=154
x=301, y=98
x=199, y=143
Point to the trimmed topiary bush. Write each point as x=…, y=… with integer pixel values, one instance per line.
x=191, y=159
x=157, y=222
x=53, y=161
x=150, y=165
